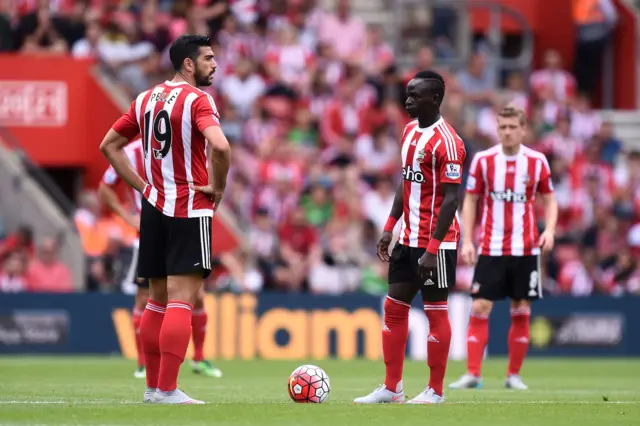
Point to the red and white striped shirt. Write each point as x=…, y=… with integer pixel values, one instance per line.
x=509, y=185
x=430, y=156
x=136, y=157
x=171, y=118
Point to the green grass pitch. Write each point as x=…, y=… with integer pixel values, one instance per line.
x=102, y=391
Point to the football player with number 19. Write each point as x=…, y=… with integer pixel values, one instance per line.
x=507, y=177
x=425, y=257
x=181, y=132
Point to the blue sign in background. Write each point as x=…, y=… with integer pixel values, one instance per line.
x=560, y=326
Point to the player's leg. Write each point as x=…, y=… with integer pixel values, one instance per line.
x=188, y=260
x=488, y=286
x=435, y=299
x=525, y=274
x=199, y=320
x=150, y=326
x=395, y=331
x=151, y=265
x=142, y=295
x=139, y=304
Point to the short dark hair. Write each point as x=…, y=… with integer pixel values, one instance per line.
x=432, y=76
x=187, y=46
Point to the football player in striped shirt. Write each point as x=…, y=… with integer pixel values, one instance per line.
x=507, y=179
x=424, y=259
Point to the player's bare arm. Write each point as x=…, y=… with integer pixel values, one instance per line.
x=469, y=206
x=394, y=216
x=220, y=162
x=547, y=238
x=451, y=191
x=111, y=199
x=112, y=147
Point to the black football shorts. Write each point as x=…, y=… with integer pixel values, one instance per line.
x=501, y=277
x=403, y=268
x=173, y=245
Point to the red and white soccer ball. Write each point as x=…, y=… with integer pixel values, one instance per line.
x=309, y=383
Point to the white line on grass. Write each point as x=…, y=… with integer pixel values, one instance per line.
x=490, y=402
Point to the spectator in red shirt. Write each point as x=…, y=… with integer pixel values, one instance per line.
x=299, y=250
x=21, y=241
x=47, y=273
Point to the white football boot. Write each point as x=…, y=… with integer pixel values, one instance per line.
x=427, y=397
x=140, y=373
x=381, y=395
x=515, y=382
x=149, y=394
x=174, y=397
x=467, y=381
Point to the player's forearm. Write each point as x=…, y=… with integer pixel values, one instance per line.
x=468, y=217
x=550, y=213
x=397, y=206
x=447, y=214
x=397, y=209
x=110, y=198
x=113, y=148
x=220, y=163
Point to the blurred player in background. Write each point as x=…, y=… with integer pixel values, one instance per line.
x=199, y=318
x=180, y=129
x=507, y=177
x=424, y=259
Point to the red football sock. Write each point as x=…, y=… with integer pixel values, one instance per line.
x=150, y=326
x=198, y=329
x=174, y=341
x=438, y=343
x=137, y=317
x=394, y=341
x=518, y=338
x=477, y=337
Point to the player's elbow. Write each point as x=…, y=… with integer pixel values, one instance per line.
x=104, y=147
x=221, y=147
x=107, y=146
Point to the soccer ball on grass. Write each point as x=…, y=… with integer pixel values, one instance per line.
x=309, y=383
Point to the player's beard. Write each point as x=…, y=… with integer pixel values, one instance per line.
x=202, y=79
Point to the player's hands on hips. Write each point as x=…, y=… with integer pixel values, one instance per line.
x=546, y=241
x=383, y=246
x=215, y=195
x=469, y=254
x=427, y=266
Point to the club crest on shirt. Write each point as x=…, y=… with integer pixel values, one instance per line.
x=525, y=178
x=420, y=157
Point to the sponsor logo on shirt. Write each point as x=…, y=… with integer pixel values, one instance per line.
x=508, y=196
x=415, y=176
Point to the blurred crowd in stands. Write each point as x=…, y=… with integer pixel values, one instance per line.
x=312, y=103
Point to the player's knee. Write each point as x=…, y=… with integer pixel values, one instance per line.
x=517, y=304
x=435, y=294
x=199, y=303
x=404, y=292
x=141, y=298
x=481, y=307
x=158, y=290
x=184, y=288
